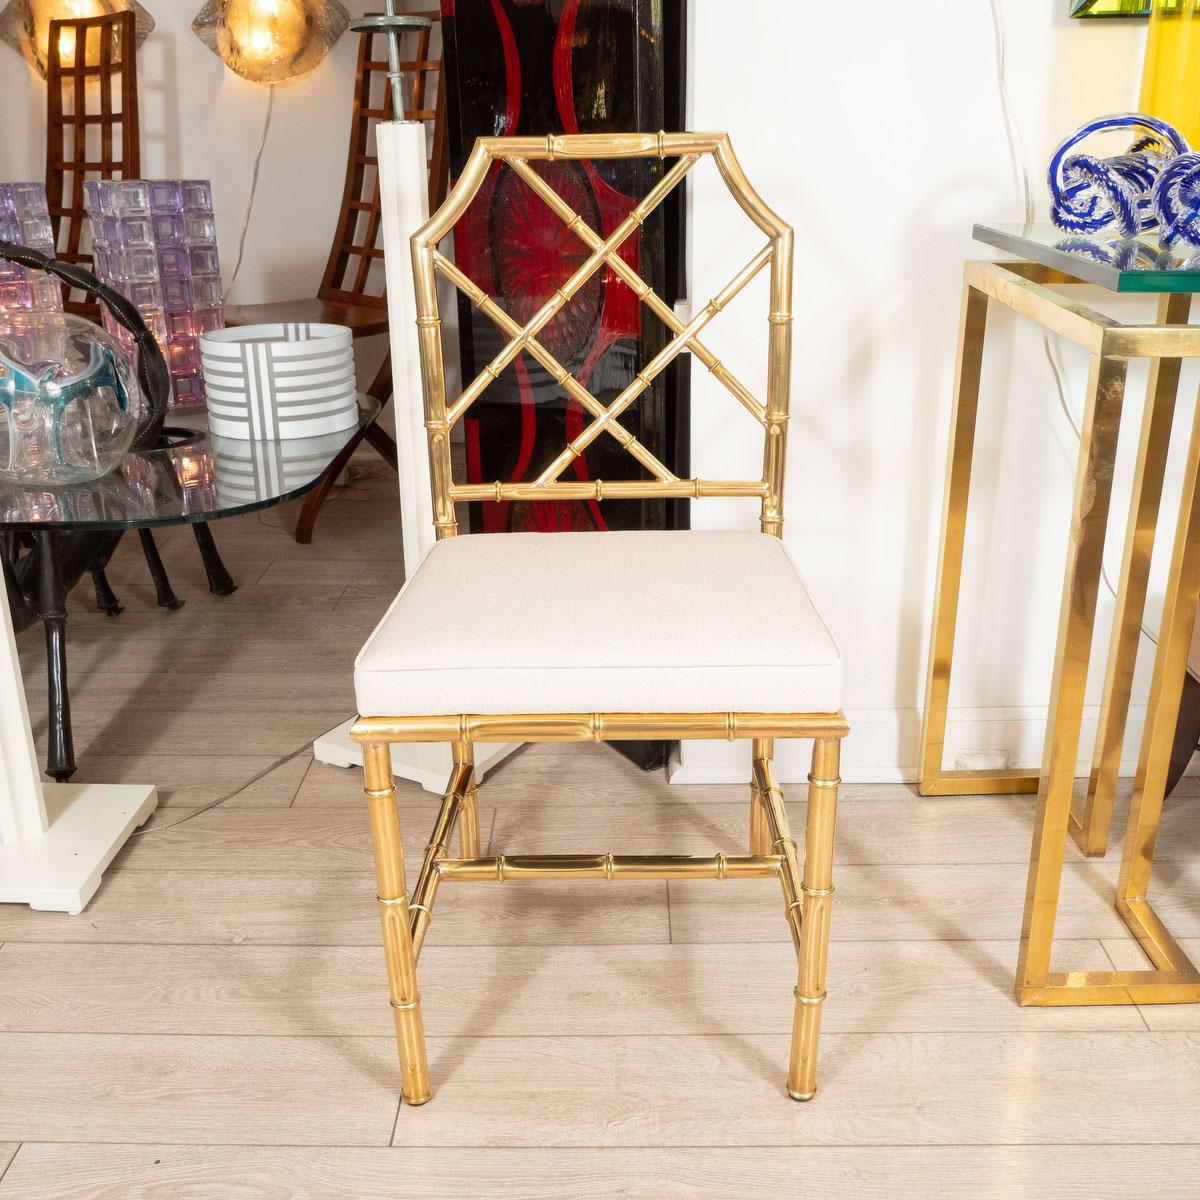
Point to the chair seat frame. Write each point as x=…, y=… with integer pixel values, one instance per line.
x=807, y=891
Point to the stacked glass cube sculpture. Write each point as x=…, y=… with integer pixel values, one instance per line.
x=155, y=242
x=25, y=220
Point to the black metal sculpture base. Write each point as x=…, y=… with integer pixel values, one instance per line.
x=39, y=576
x=52, y=604
x=37, y=583
x=164, y=593
x=220, y=582
x=106, y=599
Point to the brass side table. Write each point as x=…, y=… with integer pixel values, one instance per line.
x=1027, y=288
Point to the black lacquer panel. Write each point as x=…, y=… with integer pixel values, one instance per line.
x=533, y=67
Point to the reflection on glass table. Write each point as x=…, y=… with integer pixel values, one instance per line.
x=1138, y=264
x=50, y=537
x=198, y=477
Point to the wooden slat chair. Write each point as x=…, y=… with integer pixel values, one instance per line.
x=352, y=289
x=528, y=637
x=93, y=132
x=92, y=127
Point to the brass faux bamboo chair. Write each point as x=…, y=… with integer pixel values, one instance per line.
x=727, y=643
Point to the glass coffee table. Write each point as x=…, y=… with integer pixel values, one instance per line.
x=48, y=540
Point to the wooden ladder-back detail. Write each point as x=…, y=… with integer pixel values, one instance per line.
x=92, y=128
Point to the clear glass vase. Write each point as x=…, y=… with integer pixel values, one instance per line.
x=70, y=404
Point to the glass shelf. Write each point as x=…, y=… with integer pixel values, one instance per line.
x=1135, y=265
x=196, y=477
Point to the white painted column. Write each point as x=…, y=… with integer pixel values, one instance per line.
x=22, y=805
x=404, y=195
x=56, y=840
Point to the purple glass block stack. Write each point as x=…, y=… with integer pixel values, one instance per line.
x=25, y=220
x=155, y=241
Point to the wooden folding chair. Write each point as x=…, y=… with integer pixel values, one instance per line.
x=352, y=288
x=529, y=638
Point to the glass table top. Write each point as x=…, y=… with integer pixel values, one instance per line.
x=1129, y=265
x=197, y=477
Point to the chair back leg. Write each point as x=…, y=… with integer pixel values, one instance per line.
x=394, y=917
x=468, y=817
x=760, y=833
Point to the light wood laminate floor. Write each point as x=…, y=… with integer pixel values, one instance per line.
x=216, y=1023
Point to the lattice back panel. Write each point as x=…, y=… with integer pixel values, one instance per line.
x=91, y=127
x=354, y=272
x=443, y=413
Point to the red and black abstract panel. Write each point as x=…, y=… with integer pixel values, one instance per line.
x=534, y=67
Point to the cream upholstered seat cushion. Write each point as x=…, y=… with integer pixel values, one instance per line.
x=658, y=622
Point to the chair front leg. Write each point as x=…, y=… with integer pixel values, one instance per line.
x=817, y=892
x=394, y=917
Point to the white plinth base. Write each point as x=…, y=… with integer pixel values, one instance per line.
x=59, y=870
x=426, y=763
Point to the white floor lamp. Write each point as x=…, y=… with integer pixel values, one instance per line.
x=403, y=182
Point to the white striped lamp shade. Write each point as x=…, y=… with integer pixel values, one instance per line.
x=279, y=381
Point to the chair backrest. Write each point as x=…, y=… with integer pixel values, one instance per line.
x=441, y=415
x=91, y=124
x=357, y=243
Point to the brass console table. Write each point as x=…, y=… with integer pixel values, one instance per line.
x=1026, y=287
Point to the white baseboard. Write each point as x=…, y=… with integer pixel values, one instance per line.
x=883, y=745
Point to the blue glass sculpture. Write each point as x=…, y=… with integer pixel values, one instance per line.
x=1177, y=201
x=70, y=405
x=1090, y=194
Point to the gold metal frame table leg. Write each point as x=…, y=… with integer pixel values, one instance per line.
x=933, y=779
x=1089, y=519
x=1090, y=821
x=1173, y=978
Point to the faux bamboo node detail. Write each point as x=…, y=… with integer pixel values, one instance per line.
x=597, y=727
x=503, y=867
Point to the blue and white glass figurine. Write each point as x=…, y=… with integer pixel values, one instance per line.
x=70, y=405
x=1177, y=202
x=1091, y=195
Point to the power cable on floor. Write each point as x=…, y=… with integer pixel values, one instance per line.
x=199, y=812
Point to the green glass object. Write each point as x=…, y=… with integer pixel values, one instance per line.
x=1110, y=8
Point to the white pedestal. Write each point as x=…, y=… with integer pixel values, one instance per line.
x=404, y=198
x=60, y=870
x=426, y=763
x=55, y=841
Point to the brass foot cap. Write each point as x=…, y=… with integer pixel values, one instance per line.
x=416, y=1101
x=805, y=1096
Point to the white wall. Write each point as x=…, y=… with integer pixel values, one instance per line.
x=876, y=130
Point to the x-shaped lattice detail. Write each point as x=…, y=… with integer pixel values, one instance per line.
x=604, y=252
